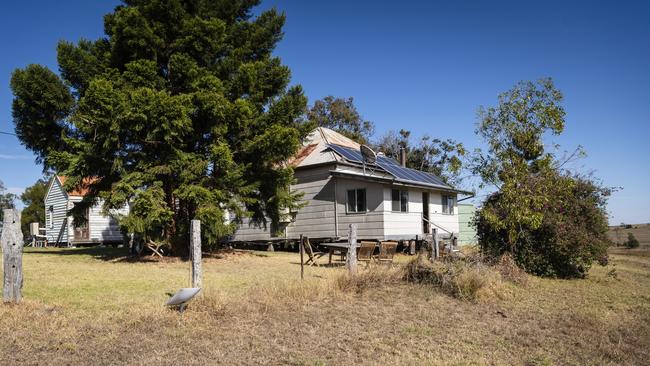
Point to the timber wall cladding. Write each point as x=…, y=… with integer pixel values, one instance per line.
x=57, y=200
x=12, y=251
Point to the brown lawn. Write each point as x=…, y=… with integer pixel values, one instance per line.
x=91, y=306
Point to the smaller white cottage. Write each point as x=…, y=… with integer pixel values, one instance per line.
x=60, y=229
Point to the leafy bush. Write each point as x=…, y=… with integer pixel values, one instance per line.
x=632, y=241
x=567, y=236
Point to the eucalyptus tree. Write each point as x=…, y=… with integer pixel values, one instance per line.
x=553, y=221
x=341, y=115
x=443, y=157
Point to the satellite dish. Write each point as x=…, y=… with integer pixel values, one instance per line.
x=182, y=297
x=369, y=156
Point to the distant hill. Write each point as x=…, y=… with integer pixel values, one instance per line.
x=618, y=233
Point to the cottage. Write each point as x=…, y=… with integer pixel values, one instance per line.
x=341, y=186
x=60, y=229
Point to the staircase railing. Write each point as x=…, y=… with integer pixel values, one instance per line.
x=63, y=226
x=435, y=240
x=436, y=225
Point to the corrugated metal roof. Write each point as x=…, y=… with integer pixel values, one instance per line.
x=83, y=189
x=315, y=147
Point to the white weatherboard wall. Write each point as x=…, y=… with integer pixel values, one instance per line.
x=105, y=228
x=399, y=225
x=403, y=225
x=101, y=228
x=447, y=221
x=56, y=198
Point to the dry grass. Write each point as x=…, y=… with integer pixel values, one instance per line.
x=464, y=277
x=619, y=235
x=92, y=307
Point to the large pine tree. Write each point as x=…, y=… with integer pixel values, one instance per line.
x=181, y=108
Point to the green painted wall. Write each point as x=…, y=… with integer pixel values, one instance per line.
x=467, y=234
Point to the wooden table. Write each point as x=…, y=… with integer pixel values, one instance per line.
x=341, y=247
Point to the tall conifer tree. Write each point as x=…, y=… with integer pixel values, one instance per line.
x=181, y=109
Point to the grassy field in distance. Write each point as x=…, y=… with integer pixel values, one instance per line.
x=95, y=306
x=618, y=234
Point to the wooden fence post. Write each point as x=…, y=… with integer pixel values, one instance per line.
x=12, y=250
x=302, y=263
x=435, y=247
x=411, y=247
x=351, y=261
x=195, y=252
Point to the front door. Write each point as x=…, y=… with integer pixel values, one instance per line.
x=81, y=232
x=425, y=212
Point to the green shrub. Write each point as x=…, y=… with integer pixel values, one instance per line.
x=632, y=241
x=569, y=231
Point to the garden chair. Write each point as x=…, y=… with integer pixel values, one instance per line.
x=366, y=251
x=312, y=255
x=387, y=251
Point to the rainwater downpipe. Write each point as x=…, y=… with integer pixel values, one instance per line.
x=336, y=214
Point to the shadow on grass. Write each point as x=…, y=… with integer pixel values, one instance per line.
x=110, y=254
x=334, y=264
x=102, y=253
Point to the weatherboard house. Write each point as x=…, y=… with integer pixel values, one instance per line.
x=60, y=228
x=344, y=183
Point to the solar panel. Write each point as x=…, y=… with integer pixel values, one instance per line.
x=386, y=160
x=391, y=166
x=348, y=153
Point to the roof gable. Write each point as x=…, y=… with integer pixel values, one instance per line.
x=315, y=149
x=55, y=180
x=79, y=191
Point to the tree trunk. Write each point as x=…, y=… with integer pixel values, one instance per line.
x=178, y=248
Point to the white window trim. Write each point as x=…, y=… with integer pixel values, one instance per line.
x=347, y=206
x=400, y=201
x=450, y=208
x=50, y=215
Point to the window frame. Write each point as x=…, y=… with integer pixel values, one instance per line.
x=50, y=214
x=356, y=201
x=403, y=200
x=445, y=204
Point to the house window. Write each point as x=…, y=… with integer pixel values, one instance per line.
x=448, y=205
x=400, y=200
x=51, y=217
x=357, y=200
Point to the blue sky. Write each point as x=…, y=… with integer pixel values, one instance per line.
x=424, y=66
